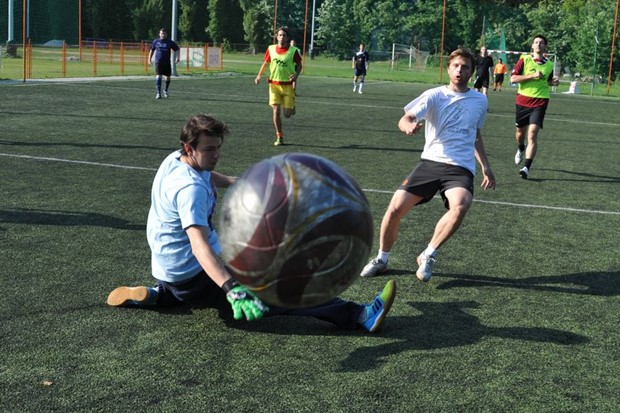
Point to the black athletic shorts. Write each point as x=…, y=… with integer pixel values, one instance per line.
x=163, y=68
x=499, y=78
x=481, y=81
x=530, y=116
x=429, y=177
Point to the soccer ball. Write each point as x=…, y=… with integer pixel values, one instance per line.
x=296, y=230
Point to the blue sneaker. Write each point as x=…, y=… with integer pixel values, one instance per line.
x=132, y=296
x=376, y=312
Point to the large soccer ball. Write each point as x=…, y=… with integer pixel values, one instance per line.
x=296, y=230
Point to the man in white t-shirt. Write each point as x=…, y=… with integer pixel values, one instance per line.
x=454, y=116
x=185, y=248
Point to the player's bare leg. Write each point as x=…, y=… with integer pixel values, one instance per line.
x=401, y=203
x=277, y=122
x=460, y=200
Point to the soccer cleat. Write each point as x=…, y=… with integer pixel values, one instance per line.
x=524, y=172
x=166, y=93
x=158, y=96
x=279, y=141
x=425, y=269
x=124, y=296
x=374, y=267
x=518, y=157
x=360, y=92
x=379, y=308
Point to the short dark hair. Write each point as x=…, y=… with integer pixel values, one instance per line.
x=201, y=125
x=464, y=53
x=540, y=36
x=285, y=30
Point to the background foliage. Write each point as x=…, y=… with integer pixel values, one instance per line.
x=579, y=31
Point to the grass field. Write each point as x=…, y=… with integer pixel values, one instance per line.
x=520, y=316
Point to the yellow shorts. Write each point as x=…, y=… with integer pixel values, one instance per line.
x=283, y=95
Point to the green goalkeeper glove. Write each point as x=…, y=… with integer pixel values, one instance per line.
x=244, y=303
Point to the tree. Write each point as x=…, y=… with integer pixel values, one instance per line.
x=257, y=23
x=225, y=21
x=336, y=31
x=193, y=20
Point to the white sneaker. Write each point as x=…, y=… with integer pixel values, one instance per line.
x=524, y=172
x=425, y=269
x=374, y=267
x=158, y=96
x=518, y=157
x=360, y=92
x=165, y=93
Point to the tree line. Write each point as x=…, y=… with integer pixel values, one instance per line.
x=579, y=31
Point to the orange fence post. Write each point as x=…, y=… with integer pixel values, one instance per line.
x=122, y=52
x=94, y=58
x=145, y=56
x=64, y=59
x=187, y=59
x=110, y=51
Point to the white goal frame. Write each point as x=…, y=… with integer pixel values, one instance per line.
x=418, y=59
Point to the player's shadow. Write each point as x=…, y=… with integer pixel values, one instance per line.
x=605, y=284
x=444, y=325
x=578, y=177
x=65, y=218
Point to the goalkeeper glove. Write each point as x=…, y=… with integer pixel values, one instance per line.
x=243, y=302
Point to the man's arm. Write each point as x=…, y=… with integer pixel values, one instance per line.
x=151, y=55
x=488, y=179
x=260, y=73
x=221, y=180
x=209, y=261
x=408, y=124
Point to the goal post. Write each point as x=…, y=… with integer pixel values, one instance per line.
x=408, y=56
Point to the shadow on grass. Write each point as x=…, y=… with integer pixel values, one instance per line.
x=440, y=325
x=605, y=284
x=443, y=325
x=65, y=218
x=578, y=177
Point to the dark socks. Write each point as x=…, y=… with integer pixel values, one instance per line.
x=528, y=163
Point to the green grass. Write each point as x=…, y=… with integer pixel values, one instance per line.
x=521, y=315
x=47, y=64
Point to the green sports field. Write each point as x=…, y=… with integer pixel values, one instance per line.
x=522, y=314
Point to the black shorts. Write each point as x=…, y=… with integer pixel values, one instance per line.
x=499, y=78
x=429, y=177
x=360, y=72
x=530, y=116
x=481, y=81
x=163, y=68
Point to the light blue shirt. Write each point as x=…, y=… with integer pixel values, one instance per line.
x=181, y=197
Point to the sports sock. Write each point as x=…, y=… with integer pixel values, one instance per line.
x=522, y=147
x=528, y=163
x=167, y=84
x=383, y=256
x=158, y=84
x=361, y=86
x=430, y=251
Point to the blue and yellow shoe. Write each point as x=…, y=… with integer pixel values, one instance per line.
x=132, y=296
x=379, y=308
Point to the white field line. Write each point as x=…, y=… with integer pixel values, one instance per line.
x=380, y=191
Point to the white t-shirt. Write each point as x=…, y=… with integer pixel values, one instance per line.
x=181, y=197
x=452, y=120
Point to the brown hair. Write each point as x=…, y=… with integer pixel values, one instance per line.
x=201, y=125
x=464, y=53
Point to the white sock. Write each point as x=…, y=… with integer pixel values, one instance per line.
x=430, y=251
x=361, y=86
x=383, y=256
